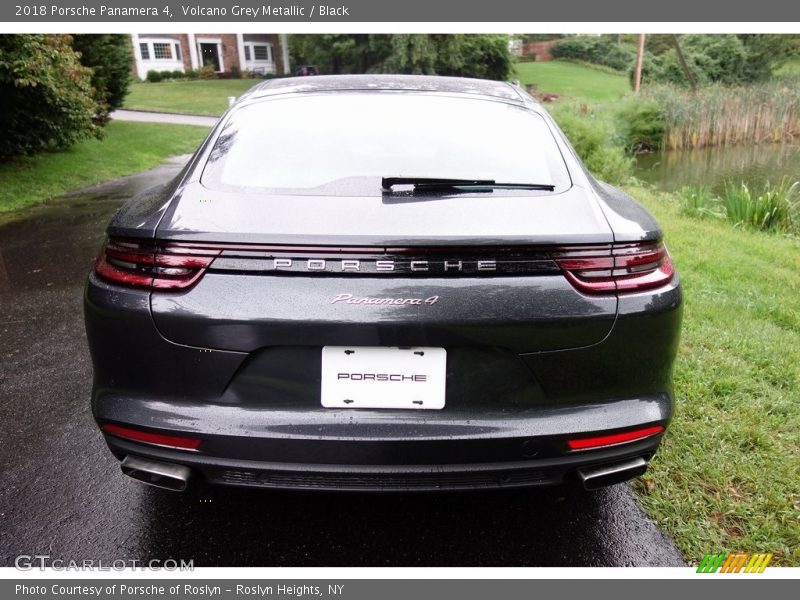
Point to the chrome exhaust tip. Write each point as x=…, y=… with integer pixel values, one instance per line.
x=594, y=478
x=167, y=476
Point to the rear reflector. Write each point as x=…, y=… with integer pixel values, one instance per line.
x=167, y=441
x=613, y=439
x=151, y=265
x=616, y=268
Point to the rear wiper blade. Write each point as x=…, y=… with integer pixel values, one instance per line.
x=428, y=183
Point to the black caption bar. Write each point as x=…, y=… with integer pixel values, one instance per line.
x=440, y=11
x=395, y=589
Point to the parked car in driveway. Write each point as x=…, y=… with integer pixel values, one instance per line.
x=383, y=283
x=306, y=70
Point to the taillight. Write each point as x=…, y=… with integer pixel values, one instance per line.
x=616, y=268
x=153, y=265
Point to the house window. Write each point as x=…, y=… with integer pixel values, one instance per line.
x=260, y=53
x=177, y=51
x=161, y=50
x=247, y=52
x=145, y=51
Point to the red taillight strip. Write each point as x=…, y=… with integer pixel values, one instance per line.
x=194, y=262
x=139, y=258
x=595, y=284
x=148, y=264
x=110, y=272
x=618, y=268
x=592, y=263
x=167, y=441
x=613, y=439
x=662, y=275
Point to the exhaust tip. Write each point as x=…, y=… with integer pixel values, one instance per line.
x=167, y=476
x=594, y=478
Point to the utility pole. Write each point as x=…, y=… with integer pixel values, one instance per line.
x=637, y=74
x=686, y=70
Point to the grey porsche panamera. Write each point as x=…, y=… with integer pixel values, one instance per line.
x=383, y=283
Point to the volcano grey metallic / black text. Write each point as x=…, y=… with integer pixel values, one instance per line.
x=383, y=283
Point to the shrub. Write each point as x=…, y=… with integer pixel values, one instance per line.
x=154, y=76
x=772, y=210
x=109, y=57
x=46, y=95
x=177, y=74
x=609, y=164
x=190, y=74
x=600, y=50
x=236, y=72
x=593, y=135
x=641, y=125
x=207, y=72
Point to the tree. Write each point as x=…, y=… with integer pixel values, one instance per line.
x=603, y=50
x=337, y=53
x=109, y=57
x=720, y=58
x=411, y=54
x=485, y=56
x=659, y=43
x=46, y=95
x=766, y=52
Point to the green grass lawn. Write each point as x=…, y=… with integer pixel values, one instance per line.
x=199, y=97
x=573, y=80
x=127, y=148
x=727, y=477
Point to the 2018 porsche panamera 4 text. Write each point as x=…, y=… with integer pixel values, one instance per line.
x=383, y=283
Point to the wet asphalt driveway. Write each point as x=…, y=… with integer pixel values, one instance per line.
x=62, y=494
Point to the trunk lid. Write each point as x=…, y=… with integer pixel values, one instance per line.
x=569, y=217
x=238, y=305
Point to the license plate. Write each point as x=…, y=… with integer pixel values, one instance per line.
x=364, y=377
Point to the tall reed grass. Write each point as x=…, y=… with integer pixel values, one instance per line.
x=774, y=208
x=700, y=202
x=718, y=115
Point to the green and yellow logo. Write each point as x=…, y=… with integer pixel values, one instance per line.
x=734, y=562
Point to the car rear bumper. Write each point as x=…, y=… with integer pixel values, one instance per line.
x=387, y=450
x=398, y=478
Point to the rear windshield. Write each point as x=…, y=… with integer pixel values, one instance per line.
x=342, y=144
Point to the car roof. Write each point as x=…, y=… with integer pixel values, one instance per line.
x=419, y=83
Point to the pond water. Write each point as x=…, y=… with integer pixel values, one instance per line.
x=712, y=167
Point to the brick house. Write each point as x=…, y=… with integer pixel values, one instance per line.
x=264, y=53
x=540, y=50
